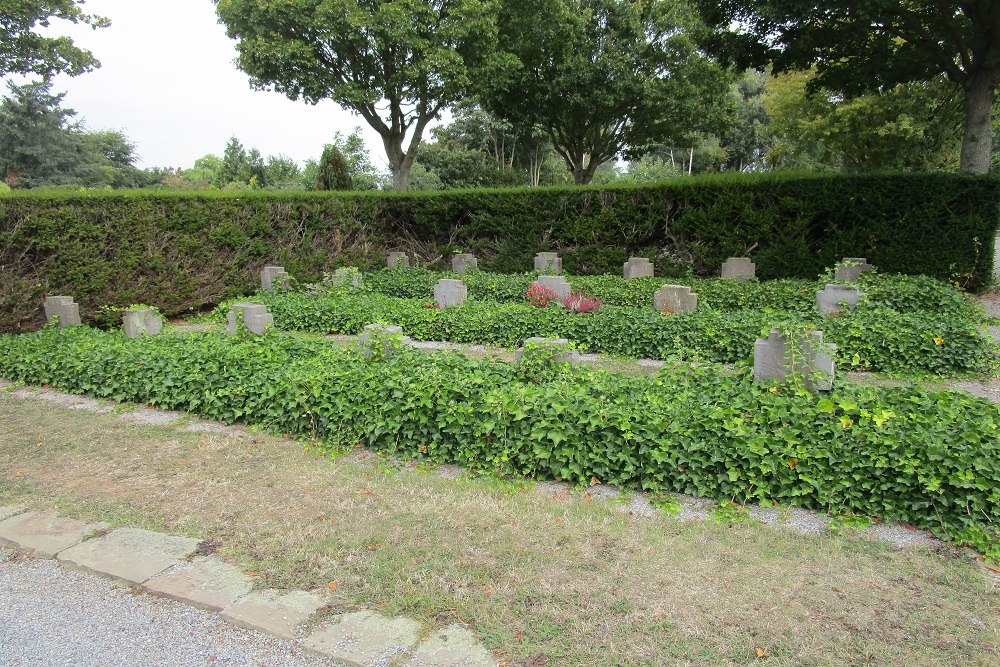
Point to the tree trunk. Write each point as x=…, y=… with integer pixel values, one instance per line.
x=977, y=141
x=399, y=161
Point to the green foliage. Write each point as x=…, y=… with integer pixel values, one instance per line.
x=941, y=337
x=24, y=50
x=604, y=77
x=185, y=251
x=397, y=64
x=333, y=173
x=928, y=458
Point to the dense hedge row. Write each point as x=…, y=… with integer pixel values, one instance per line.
x=932, y=459
x=870, y=338
x=183, y=251
x=902, y=293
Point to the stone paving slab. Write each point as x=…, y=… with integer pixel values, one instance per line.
x=44, y=534
x=206, y=582
x=7, y=512
x=364, y=639
x=130, y=555
x=279, y=613
x=454, y=646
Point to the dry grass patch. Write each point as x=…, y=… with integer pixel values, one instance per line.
x=577, y=582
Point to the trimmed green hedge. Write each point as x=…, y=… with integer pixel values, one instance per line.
x=928, y=458
x=183, y=251
x=873, y=337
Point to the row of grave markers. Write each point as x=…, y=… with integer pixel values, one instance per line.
x=775, y=357
x=669, y=298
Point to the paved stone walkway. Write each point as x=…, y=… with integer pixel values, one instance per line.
x=169, y=566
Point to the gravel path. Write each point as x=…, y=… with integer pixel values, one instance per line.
x=52, y=616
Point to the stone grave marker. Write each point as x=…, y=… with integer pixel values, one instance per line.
x=739, y=268
x=398, y=260
x=144, y=322
x=449, y=293
x=829, y=300
x=347, y=275
x=637, y=267
x=464, y=263
x=548, y=263
x=558, y=348
x=675, y=299
x=254, y=315
x=64, y=309
x=272, y=278
x=557, y=284
x=850, y=269
x=814, y=360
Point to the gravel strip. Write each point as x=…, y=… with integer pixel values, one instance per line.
x=52, y=616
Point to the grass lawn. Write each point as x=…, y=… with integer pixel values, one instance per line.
x=545, y=580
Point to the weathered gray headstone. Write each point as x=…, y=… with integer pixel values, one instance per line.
x=739, y=268
x=557, y=284
x=464, y=263
x=272, y=278
x=675, y=299
x=774, y=359
x=64, y=309
x=388, y=337
x=398, y=260
x=548, y=262
x=347, y=275
x=143, y=322
x=449, y=293
x=558, y=348
x=254, y=315
x=637, y=267
x=851, y=268
x=829, y=300
x=996, y=257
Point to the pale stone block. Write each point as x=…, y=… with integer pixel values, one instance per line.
x=675, y=299
x=464, y=263
x=279, y=613
x=832, y=298
x=347, y=275
x=273, y=277
x=851, y=268
x=739, y=268
x=637, y=267
x=387, y=336
x=143, y=322
x=548, y=262
x=64, y=310
x=206, y=582
x=814, y=361
x=255, y=317
x=130, y=555
x=558, y=348
x=449, y=293
x=398, y=260
x=557, y=284
x=364, y=638
x=454, y=645
x=44, y=534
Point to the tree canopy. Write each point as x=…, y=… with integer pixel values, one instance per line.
x=859, y=46
x=605, y=77
x=24, y=51
x=397, y=63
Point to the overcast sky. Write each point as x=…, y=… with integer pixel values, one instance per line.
x=168, y=81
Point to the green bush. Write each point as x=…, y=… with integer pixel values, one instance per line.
x=929, y=458
x=873, y=337
x=184, y=251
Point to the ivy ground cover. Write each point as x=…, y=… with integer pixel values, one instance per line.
x=928, y=458
x=906, y=325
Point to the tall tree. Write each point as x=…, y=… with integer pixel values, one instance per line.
x=397, y=63
x=860, y=46
x=40, y=143
x=605, y=77
x=24, y=51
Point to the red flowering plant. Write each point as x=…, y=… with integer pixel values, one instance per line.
x=581, y=303
x=539, y=296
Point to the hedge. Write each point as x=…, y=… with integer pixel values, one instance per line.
x=183, y=251
x=873, y=337
x=928, y=458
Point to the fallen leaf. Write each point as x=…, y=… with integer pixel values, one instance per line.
x=368, y=492
x=332, y=585
x=519, y=636
x=594, y=481
x=761, y=653
x=253, y=573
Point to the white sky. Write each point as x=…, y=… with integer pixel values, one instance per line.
x=168, y=81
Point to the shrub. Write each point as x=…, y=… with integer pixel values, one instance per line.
x=185, y=251
x=579, y=302
x=539, y=296
x=869, y=338
x=928, y=458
